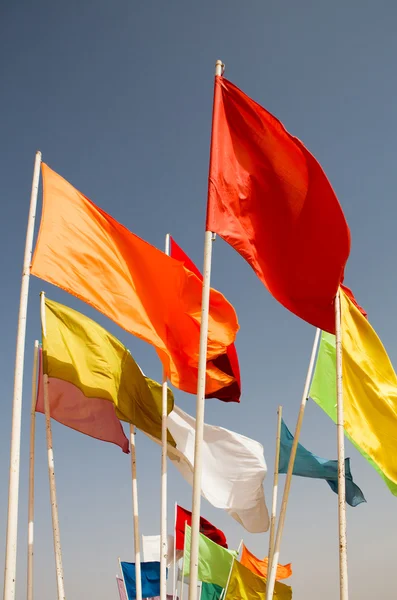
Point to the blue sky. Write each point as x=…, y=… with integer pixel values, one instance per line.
x=117, y=96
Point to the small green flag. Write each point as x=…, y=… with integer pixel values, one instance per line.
x=323, y=392
x=210, y=591
x=215, y=562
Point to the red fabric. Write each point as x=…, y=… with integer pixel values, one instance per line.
x=228, y=363
x=270, y=199
x=206, y=528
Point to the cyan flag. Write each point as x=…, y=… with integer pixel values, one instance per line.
x=150, y=576
x=310, y=465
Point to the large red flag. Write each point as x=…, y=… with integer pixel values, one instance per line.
x=270, y=199
x=227, y=362
x=206, y=528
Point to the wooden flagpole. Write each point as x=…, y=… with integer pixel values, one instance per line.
x=343, y=580
x=163, y=507
x=51, y=472
x=275, y=560
x=31, y=472
x=275, y=489
x=202, y=367
x=10, y=567
x=138, y=578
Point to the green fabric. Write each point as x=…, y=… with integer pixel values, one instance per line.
x=78, y=350
x=210, y=591
x=215, y=562
x=323, y=392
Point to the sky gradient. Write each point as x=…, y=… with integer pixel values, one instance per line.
x=117, y=96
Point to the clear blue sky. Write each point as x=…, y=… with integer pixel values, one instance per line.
x=117, y=95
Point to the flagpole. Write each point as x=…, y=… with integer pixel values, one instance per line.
x=174, y=583
x=163, y=507
x=275, y=559
x=10, y=566
x=343, y=582
x=138, y=579
x=51, y=472
x=275, y=489
x=31, y=471
x=202, y=368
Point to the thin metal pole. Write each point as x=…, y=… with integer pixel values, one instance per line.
x=275, y=489
x=51, y=472
x=272, y=569
x=202, y=368
x=138, y=578
x=10, y=566
x=174, y=583
x=31, y=472
x=163, y=507
x=344, y=590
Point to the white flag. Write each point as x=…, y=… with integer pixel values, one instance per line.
x=151, y=549
x=234, y=468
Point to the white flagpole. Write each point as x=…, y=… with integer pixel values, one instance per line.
x=138, y=578
x=344, y=591
x=10, y=566
x=174, y=583
x=31, y=471
x=51, y=472
x=273, y=567
x=275, y=489
x=202, y=368
x=163, y=507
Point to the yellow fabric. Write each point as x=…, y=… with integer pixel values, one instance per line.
x=369, y=390
x=78, y=350
x=245, y=585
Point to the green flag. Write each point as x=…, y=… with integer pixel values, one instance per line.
x=210, y=591
x=215, y=562
x=323, y=392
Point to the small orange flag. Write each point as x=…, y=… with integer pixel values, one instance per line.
x=84, y=251
x=259, y=567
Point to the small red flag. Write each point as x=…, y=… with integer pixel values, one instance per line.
x=228, y=362
x=271, y=201
x=206, y=528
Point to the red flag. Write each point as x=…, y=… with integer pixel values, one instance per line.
x=206, y=528
x=270, y=199
x=228, y=362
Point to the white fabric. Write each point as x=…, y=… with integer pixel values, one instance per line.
x=151, y=549
x=234, y=468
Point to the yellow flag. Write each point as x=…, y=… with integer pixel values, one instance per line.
x=245, y=585
x=369, y=390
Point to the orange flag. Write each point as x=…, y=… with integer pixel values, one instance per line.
x=259, y=567
x=84, y=251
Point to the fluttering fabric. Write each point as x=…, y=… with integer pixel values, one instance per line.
x=121, y=588
x=246, y=585
x=271, y=201
x=260, y=567
x=210, y=591
x=151, y=549
x=369, y=390
x=94, y=381
x=214, y=562
x=309, y=465
x=233, y=469
x=150, y=577
x=183, y=517
x=227, y=362
x=86, y=252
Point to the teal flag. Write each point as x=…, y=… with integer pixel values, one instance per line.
x=309, y=465
x=210, y=591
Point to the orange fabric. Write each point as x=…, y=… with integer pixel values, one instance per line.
x=84, y=251
x=270, y=200
x=259, y=567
